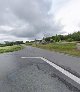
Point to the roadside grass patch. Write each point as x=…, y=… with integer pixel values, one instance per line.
x=10, y=48
x=67, y=48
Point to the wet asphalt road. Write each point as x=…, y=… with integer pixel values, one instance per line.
x=29, y=75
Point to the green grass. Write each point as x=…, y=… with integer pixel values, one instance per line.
x=67, y=48
x=10, y=48
x=29, y=44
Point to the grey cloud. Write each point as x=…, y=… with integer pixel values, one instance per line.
x=28, y=18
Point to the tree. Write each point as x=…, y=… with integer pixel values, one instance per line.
x=57, y=39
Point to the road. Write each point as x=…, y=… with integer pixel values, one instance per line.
x=29, y=74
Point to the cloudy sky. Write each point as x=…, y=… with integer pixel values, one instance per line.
x=33, y=19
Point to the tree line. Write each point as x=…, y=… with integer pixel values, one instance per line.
x=70, y=37
x=8, y=43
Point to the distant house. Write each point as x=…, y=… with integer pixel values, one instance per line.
x=43, y=41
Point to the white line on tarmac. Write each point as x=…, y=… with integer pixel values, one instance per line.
x=68, y=74
x=32, y=57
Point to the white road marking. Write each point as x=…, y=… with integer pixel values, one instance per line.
x=32, y=57
x=68, y=74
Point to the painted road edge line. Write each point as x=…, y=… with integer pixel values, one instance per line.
x=63, y=71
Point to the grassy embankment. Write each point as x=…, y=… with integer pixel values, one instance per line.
x=67, y=48
x=10, y=48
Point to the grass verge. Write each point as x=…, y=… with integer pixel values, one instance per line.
x=10, y=48
x=67, y=48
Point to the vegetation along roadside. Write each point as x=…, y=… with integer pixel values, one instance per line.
x=11, y=48
x=68, y=44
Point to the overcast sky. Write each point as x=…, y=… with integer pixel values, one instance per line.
x=33, y=19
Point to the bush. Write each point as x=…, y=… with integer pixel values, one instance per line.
x=69, y=39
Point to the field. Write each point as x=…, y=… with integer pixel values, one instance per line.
x=10, y=48
x=67, y=48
